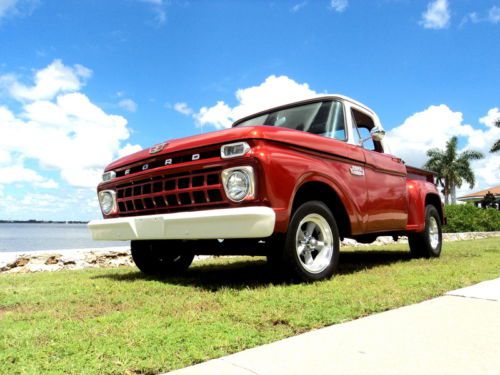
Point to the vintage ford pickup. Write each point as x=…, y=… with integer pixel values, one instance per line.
x=289, y=183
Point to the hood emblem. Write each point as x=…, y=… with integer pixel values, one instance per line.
x=157, y=148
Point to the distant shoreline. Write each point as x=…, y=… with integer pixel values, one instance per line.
x=42, y=222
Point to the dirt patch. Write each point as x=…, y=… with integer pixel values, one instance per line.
x=96, y=310
x=281, y=322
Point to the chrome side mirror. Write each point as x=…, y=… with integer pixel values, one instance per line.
x=377, y=133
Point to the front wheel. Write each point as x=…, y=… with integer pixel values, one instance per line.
x=312, y=243
x=427, y=244
x=161, y=258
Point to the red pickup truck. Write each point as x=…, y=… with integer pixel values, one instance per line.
x=288, y=183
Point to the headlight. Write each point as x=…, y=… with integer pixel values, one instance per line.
x=233, y=150
x=239, y=183
x=107, y=200
x=106, y=176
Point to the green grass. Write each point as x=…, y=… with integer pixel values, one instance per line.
x=116, y=321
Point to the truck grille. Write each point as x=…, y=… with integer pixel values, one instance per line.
x=171, y=193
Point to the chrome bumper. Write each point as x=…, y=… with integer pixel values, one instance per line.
x=244, y=222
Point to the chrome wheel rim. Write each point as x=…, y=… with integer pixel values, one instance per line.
x=314, y=243
x=433, y=232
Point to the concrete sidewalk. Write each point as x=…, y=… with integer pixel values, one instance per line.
x=458, y=333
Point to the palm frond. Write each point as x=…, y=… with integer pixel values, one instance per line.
x=451, y=149
x=452, y=168
x=470, y=155
x=496, y=145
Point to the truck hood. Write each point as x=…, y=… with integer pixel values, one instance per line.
x=194, y=142
x=283, y=135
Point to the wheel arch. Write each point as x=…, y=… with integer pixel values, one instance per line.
x=321, y=191
x=435, y=200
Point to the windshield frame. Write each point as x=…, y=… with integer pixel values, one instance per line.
x=286, y=106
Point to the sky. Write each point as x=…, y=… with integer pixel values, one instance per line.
x=85, y=82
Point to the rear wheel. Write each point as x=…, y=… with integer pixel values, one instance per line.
x=312, y=244
x=161, y=258
x=427, y=244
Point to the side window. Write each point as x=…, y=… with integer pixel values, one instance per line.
x=367, y=139
x=355, y=130
x=362, y=125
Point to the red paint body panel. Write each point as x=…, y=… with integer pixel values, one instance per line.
x=418, y=191
x=387, y=197
x=381, y=199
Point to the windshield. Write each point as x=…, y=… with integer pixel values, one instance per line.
x=322, y=118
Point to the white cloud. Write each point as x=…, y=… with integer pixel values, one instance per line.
x=50, y=81
x=437, y=15
x=183, y=108
x=77, y=204
x=61, y=128
x=128, y=104
x=158, y=9
x=491, y=118
x=128, y=149
x=472, y=17
x=16, y=7
x=272, y=92
x=48, y=184
x=494, y=14
x=297, y=7
x=434, y=126
x=40, y=200
x=220, y=116
x=339, y=5
x=5, y=157
x=36, y=206
x=6, y=6
x=14, y=174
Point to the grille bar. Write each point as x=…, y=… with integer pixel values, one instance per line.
x=170, y=193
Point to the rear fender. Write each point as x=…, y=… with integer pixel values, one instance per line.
x=420, y=194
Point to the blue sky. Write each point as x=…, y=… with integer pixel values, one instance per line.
x=82, y=82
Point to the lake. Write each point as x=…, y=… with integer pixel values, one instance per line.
x=32, y=237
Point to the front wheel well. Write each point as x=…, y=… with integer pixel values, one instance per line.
x=434, y=200
x=319, y=191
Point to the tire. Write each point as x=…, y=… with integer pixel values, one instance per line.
x=428, y=243
x=312, y=244
x=161, y=258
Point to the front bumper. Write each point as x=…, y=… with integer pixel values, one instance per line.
x=244, y=222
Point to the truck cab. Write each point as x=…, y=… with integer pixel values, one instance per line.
x=288, y=183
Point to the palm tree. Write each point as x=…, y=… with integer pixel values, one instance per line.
x=496, y=145
x=452, y=168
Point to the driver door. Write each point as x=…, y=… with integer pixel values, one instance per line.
x=385, y=180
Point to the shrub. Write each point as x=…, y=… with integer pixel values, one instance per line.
x=469, y=218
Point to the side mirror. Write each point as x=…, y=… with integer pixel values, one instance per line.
x=377, y=133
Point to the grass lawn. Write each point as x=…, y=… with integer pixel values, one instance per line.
x=116, y=321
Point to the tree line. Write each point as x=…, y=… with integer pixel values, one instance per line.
x=453, y=168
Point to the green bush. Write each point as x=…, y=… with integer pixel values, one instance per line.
x=469, y=218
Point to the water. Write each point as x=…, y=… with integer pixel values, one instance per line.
x=32, y=237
